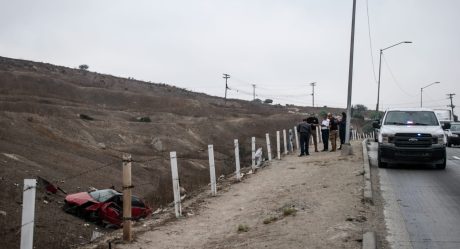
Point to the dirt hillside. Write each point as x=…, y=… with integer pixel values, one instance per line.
x=71, y=127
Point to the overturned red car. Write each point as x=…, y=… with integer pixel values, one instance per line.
x=104, y=206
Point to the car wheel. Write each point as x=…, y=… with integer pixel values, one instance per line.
x=93, y=216
x=68, y=208
x=380, y=164
x=449, y=144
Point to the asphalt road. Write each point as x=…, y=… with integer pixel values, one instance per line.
x=422, y=205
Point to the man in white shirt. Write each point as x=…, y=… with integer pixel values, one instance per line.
x=325, y=133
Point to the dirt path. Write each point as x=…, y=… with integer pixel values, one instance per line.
x=325, y=189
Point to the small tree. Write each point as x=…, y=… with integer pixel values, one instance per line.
x=268, y=101
x=322, y=113
x=83, y=67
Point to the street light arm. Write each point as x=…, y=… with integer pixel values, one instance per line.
x=437, y=82
x=395, y=45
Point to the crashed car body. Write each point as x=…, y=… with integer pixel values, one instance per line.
x=105, y=205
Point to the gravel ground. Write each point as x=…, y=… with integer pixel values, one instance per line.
x=297, y=202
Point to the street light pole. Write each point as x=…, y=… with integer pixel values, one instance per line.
x=380, y=70
x=421, y=91
x=313, y=84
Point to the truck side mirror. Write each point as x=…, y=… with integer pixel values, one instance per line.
x=376, y=124
x=446, y=126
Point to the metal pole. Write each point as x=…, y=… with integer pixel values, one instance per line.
x=226, y=76
x=421, y=95
x=350, y=76
x=313, y=84
x=378, y=85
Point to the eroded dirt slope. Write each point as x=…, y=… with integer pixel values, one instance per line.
x=71, y=127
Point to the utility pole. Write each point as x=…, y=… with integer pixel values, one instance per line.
x=347, y=149
x=226, y=77
x=451, y=95
x=313, y=84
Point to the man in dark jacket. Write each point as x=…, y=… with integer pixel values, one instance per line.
x=313, y=121
x=342, y=128
x=304, y=130
x=333, y=130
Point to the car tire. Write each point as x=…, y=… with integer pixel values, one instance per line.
x=380, y=164
x=449, y=144
x=442, y=165
x=68, y=208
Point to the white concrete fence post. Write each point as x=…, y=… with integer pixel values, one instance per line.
x=237, y=161
x=269, y=149
x=318, y=134
x=175, y=182
x=290, y=140
x=285, y=142
x=278, y=147
x=296, y=138
x=212, y=170
x=28, y=213
x=253, y=148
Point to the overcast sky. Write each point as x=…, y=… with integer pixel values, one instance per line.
x=281, y=46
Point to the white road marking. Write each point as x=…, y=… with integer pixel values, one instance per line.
x=456, y=157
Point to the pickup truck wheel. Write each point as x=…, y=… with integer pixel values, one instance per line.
x=443, y=164
x=380, y=164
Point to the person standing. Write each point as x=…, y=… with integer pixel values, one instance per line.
x=342, y=128
x=333, y=130
x=325, y=133
x=313, y=121
x=304, y=130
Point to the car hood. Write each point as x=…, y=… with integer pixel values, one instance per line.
x=79, y=198
x=392, y=129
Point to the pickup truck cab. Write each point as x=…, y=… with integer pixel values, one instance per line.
x=411, y=136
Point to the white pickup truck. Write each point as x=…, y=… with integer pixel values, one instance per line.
x=411, y=136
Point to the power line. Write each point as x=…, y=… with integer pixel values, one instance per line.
x=370, y=41
x=394, y=78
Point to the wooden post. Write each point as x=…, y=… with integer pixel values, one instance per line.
x=278, y=145
x=212, y=170
x=253, y=148
x=285, y=142
x=127, y=191
x=269, y=149
x=237, y=161
x=175, y=182
x=296, y=138
x=28, y=213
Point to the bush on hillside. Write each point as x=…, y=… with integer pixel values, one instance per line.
x=144, y=119
x=85, y=117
